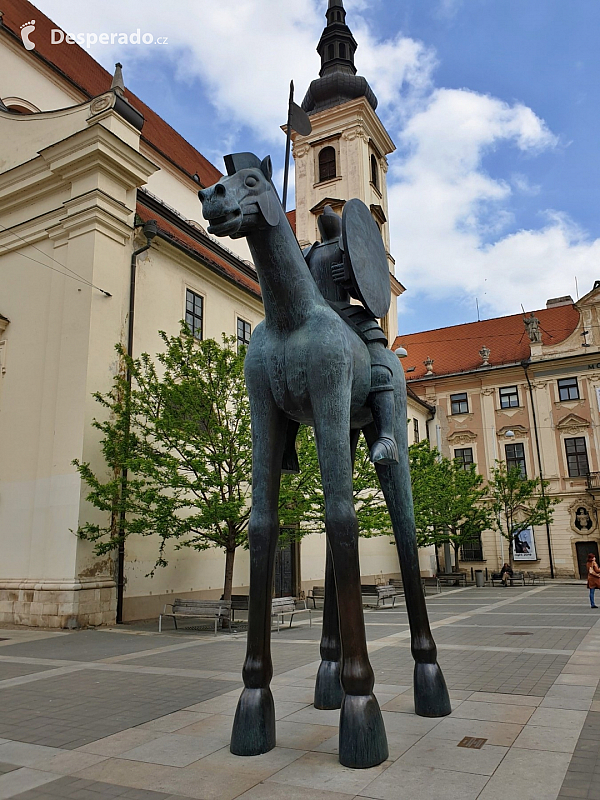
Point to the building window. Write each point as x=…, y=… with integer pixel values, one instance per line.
x=568, y=389
x=472, y=551
x=327, y=164
x=416, y=430
x=509, y=397
x=464, y=455
x=459, y=403
x=515, y=457
x=194, y=312
x=342, y=51
x=330, y=52
x=577, y=460
x=244, y=329
x=374, y=172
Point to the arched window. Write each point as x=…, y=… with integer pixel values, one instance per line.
x=374, y=172
x=330, y=52
x=342, y=50
x=327, y=164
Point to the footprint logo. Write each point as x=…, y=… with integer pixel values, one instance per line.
x=26, y=29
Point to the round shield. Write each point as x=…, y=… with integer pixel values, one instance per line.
x=365, y=258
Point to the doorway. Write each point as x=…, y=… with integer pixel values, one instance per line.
x=286, y=577
x=583, y=548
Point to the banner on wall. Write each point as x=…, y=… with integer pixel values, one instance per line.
x=524, y=546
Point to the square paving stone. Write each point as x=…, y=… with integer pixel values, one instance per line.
x=424, y=783
x=538, y=775
x=323, y=772
x=446, y=755
x=557, y=740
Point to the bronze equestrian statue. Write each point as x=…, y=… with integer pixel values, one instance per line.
x=306, y=365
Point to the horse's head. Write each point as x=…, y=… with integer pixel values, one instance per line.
x=242, y=201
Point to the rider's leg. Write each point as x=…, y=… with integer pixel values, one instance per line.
x=382, y=405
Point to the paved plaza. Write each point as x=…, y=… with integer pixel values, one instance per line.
x=128, y=713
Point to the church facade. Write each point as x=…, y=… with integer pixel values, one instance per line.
x=86, y=166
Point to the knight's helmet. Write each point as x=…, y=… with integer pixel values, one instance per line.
x=330, y=225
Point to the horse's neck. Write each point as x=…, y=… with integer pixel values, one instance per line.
x=289, y=291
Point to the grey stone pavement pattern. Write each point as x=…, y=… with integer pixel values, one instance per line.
x=129, y=713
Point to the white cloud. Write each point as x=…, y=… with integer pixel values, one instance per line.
x=452, y=223
x=244, y=51
x=449, y=217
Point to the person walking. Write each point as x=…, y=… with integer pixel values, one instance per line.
x=593, y=579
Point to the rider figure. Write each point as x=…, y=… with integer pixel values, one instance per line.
x=325, y=261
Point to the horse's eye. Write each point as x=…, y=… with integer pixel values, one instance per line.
x=251, y=181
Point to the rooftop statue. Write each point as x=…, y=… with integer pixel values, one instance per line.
x=306, y=364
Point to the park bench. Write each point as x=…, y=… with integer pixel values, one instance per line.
x=239, y=602
x=316, y=593
x=284, y=606
x=452, y=578
x=431, y=582
x=517, y=577
x=535, y=577
x=214, y=610
x=382, y=593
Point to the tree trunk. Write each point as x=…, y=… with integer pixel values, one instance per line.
x=227, y=586
x=229, y=559
x=456, y=549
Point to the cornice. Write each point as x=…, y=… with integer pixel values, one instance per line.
x=98, y=148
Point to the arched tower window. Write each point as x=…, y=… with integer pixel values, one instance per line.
x=330, y=52
x=327, y=164
x=374, y=172
x=342, y=50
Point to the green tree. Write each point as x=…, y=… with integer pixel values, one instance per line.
x=182, y=432
x=448, y=498
x=301, y=497
x=517, y=502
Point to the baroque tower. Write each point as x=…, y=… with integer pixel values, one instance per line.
x=345, y=154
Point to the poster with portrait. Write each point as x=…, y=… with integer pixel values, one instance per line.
x=524, y=546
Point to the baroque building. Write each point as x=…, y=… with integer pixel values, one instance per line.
x=523, y=389
x=85, y=165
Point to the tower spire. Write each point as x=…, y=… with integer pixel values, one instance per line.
x=338, y=81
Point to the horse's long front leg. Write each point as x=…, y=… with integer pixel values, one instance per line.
x=362, y=739
x=430, y=691
x=254, y=725
x=328, y=688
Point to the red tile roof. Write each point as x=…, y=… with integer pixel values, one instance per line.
x=456, y=348
x=191, y=242
x=291, y=215
x=84, y=73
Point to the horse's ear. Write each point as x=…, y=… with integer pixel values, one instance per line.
x=269, y=204
x=267, y=167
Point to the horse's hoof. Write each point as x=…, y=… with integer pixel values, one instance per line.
x=384, y=451
x=363, y=742
x=254, y=724
x=328, y=688
x=431, y=693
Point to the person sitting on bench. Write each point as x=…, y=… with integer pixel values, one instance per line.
x=506, y=574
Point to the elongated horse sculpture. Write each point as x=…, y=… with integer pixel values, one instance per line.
x=306, y=365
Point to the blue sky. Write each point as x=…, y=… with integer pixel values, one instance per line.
x=493, y=105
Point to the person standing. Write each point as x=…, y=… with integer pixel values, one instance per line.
x=593, y=579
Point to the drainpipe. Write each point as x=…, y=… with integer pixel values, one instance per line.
x=150, y=230
x=525, y=364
